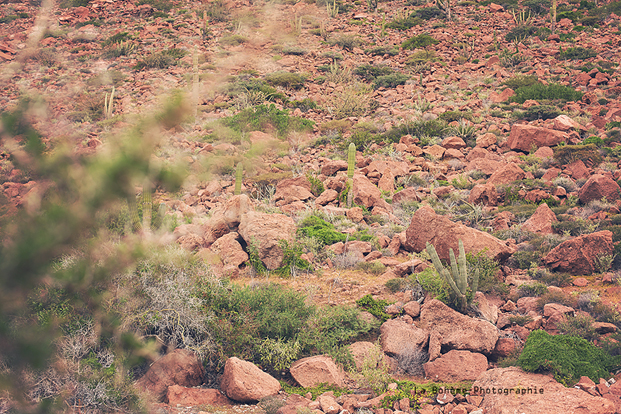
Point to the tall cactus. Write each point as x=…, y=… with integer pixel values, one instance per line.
x=457, y=278
x=351, y=163
x=238, y=178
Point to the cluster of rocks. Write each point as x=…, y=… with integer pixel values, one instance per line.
x=456, y=347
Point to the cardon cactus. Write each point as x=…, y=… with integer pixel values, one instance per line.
x=238, y=178
x=351, y=163
x=457, y=277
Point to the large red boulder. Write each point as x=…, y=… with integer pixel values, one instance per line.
x=541, y=220
x=579, y=256
x=315, y=370
x=483, y=194
x=538, y=394
x=229, y=250
x=598, y=186
x=457, y=331
x=365, y=193
x=266, y=230
x=506, y=174
x=456, y=366
x=427, y=226
x=244, y=382
x=526, y=137
x=180, y=367
x=400, y=338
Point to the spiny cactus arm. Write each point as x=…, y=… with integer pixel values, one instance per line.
x=435, y=259
x=475, y=281
x=351, y=160
x=455, y=270
x=463, y=268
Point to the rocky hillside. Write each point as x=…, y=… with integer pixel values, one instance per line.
x=318, y=206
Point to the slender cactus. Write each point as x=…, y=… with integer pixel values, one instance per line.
x=457, y=278
x=238, y=178
x=108, y=108
x=351, y=161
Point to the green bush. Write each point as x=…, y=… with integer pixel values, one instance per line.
x=520, y=33
x=420, y=41
x=375, y=307
x=532, y=289
x=550, y=92
x=431, y=128
x=431, y=281
x=577, y=53
x=346, y=41
x=597, y=141
x=390, y=81
x=541, y=112
x=427, y=13
x=567, y=154
x=263, y=117
x=320, y=229
x=161, y=60
x=567, y=357
x=451, y=116
x=292, y=260
x=487, y=268
x=404, y=23
x=537, y=6
x=371, y=72
x=286, y=79
x=580, y=326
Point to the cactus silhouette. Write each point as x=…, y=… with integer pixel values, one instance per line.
x=351, y=161
x=457, y=278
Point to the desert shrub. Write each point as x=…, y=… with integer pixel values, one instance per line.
x=520, y=320
x=567, y=154
x=262, y=117
x=597, y=141
x=539, y=92
x=421, y=59
x=427, y=13
x=252, y=87
x=411, y=361
x=580, y=326
x=541, y=112
x=374, y=373
x=420, y=41
x=232, y=40
x=217, y=11
x=398, y=285
x=345, y=41
x=314, y=391
x=532, y=289
x=487, y=268
x=390, y=81
x=455, y=116
x=161, y=60
x=375, y=307
x=430, y=281
x=286, y=79
x=374, y=268
x=431, y=128
x=520, y=33
x=320, y=229
x=404, y=22
x=304, y=105
x=292, y=261
x=271, y=404
x=566, y=357
x=577, y=53
x=537, y=6
x=371, y=72
x=555, y=297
